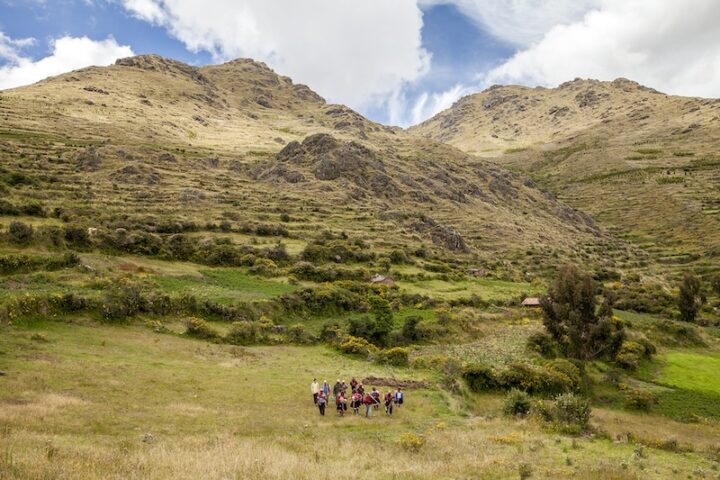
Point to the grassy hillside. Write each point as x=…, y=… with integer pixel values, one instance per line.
x=151, y=144
x=80, y=399
x=183, y=249
x=641, y=163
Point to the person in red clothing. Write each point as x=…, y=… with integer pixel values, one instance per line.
x=341, y=403
x=355, y=401
x=389, y=398
x=368, y=402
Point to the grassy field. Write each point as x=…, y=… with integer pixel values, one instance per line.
x=486, y=289
x=224, y=285
x=77, y=401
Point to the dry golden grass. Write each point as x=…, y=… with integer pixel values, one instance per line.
x=79, y=406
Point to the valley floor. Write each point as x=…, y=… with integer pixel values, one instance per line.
x=78, y=399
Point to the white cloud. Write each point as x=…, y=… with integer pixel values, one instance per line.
x=520, y=22
x=10, y=48
x=669, y=45
x=69, y=53
x=355, y=52
x=404, y=111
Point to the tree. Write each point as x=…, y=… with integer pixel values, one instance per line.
x=569, y=315
x=690, y=298
x=383, y=318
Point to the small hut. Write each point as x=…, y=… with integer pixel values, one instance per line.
x=531, y=302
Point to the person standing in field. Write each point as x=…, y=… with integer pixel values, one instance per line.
x=353, y=384
x=315, y=389
x=376, y=398
x=399, y=397
x=326, y=389
x=368, y=402
x=356, y=401
x=321, y=402
x=343, y=388
x=336, y=388
x=341, y=403
x=361, y=389
x=389, y=399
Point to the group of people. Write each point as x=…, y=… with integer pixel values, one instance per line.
x=372, y=400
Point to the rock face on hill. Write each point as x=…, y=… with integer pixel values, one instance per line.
x=151, y=137
x=639, y=161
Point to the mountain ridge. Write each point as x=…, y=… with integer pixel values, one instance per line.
x=151, y=137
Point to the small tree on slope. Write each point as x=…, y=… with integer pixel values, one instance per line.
x=569, y=315
x=690, y=298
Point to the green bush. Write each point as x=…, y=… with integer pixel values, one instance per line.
x=264, y=267
x=20, y=233
x=637, y=399
x=398, y=357
x=76, y=235
x=199, y=328
x=572, y=374
x=298, y=334
x=543, y=343
x=630, y=355
x=357, y=346
x=517, y=403
x=243, y=333
x=480, y=378
x=572, y=410
x=331, y=331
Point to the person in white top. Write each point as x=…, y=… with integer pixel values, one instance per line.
x=315, y=389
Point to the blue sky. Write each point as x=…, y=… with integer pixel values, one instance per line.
x=396, y=61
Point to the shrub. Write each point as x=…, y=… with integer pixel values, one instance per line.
x=199, y=328
x=20, y=232
x=330, y=331
x=263, y=267
x=481, y=378
x=363, y=327
x=411, y=442
x=76, y=235
x=69, y=303
x=123, y=301
x=298, y=334
x=357, y=346
x=630, y=355
x=569, y=370
x=525, y=471
x=572, y=410
x=398, y=357
x=410, y=331
x=243, y=333
x=543, y=343
x=517, y=403
x=640, y=399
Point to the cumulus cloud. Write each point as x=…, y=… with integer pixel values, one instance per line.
x=356, y=52
x=668, y=45
x=520, y=22
x=68, y=53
